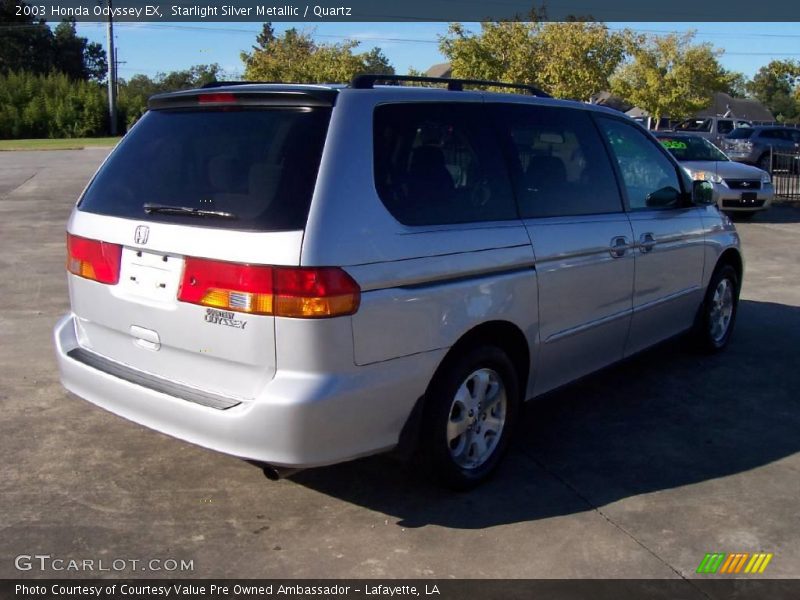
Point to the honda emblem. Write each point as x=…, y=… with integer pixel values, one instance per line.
x=141, y=234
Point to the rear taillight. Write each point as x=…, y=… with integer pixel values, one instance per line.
x=93, y=259
x=280, y=291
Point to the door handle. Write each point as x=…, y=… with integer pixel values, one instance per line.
x=647, y=242
x=619, y=246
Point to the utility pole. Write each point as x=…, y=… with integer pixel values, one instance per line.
x=112, y=75
x=117, y=63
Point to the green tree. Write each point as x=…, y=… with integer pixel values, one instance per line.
x=266, y=37
x=568, y=60
x=193, y=77
x=25, y=42
x=295, y=57
x=777, y=86
x=735, y=84
x=135, y=92
x=670, y=76
x=52, y=106
x=28, y=44
x=75, y=56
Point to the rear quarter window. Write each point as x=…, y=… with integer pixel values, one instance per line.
x=439, y=163
x=260, y=165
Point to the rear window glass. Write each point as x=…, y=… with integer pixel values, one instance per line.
x=740, y=133
x=258, y=165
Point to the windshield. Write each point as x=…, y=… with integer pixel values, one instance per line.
x=687, y=147
x=740, y=133
x=249, y=169
x=694, y=125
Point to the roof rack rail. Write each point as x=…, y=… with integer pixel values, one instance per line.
x=368, y=81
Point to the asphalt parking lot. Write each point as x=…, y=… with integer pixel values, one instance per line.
x=633, y=473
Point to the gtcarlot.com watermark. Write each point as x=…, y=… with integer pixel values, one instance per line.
x=49, y=563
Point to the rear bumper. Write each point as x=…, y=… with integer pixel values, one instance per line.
x=300, y=419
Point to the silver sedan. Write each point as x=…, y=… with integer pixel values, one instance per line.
x=739, y=189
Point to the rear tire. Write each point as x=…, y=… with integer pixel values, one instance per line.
x=471, y=408
x=714, y=324
x=765, y=162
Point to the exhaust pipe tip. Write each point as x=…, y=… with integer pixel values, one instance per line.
x=272, y=472
x=277, y=473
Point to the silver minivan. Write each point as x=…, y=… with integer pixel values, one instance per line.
x=300, y=275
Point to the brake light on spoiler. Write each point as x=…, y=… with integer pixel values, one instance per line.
x=93, y=259
x=300, y=292
x=216, y=98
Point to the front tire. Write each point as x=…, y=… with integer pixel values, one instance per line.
x=471, y=408
x=714, y=325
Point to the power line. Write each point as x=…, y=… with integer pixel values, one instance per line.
x=139, y=25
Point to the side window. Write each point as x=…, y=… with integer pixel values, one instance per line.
x=795, y=135
x=650, y=178
x=439, y=163
x=559, y=164
x=724, y=126
x=770, y=134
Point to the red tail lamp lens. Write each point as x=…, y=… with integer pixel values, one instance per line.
x=279, y=291
x=93, y=259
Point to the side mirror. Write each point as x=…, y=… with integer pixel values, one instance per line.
x=663, y=198
x=702, y=193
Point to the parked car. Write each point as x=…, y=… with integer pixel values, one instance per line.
x=756, y=145
x=300, y=275
x=714, y=129
x=739, y=189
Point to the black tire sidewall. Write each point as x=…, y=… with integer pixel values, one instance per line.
x=440, y=394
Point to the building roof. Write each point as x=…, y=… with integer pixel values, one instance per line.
x=637, y=112
x=440, y=70
x=610, y=100
x=742, y=108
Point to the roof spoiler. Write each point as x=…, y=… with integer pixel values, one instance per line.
x=218, y=95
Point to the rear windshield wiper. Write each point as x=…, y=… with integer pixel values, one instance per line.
x=187, y=210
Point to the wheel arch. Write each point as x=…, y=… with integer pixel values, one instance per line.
x=732, y=257
x=505, y=335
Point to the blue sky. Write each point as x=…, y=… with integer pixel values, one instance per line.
x=152, y=47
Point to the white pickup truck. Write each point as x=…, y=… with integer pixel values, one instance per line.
x=714, y=129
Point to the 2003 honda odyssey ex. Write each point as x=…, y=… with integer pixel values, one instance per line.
x=300, y=275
